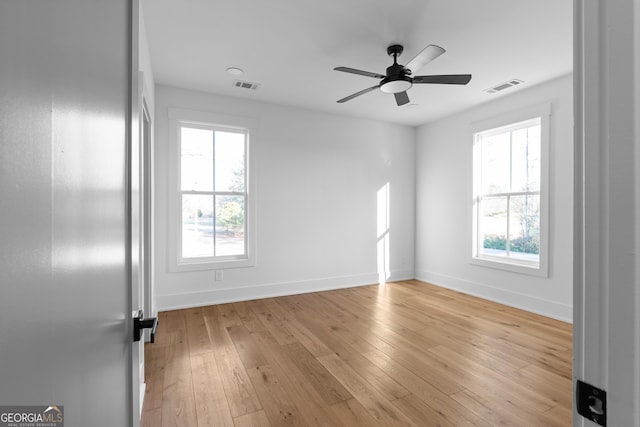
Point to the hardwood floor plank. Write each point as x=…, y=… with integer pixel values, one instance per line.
x=405, y=353
x=561, y=413
x=254, y=419
x=482, y=380
x=276, y=326
x=557, y=388
x=228, y=315
x=151, y=418
x=477, y=350
x=529, y=323
x=249, y=352
x=212, y=407
x=276, y=309
x=154, y=363
x=381, y=381
x=247, y=316
x=172, y=320
x=240, y=393
x=302, y=393
x=427, y=367
x=340, y=333
x=308, y=339
x=322, y=381
x=423, y=414
x=505, y=412
x=218, y=335
x=178, y=402
x=506, y=418
x=237, y=386
x=395, y=311
x=352, y=413
x=379, y=408
x=288, y=304
x=170, y=338
x=552, y=361
x=448, y=409
x=327, y=330
x=197, y=335
x=276, y=401
x=473, y=345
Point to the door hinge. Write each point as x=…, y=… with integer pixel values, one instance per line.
x=591, y=402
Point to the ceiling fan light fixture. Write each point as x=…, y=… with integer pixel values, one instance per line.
x=395, y=86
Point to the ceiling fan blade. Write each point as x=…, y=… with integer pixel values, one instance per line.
x=427, y=55
x=362, y=92
x=360, y=72
x=402, y=98
x=448, y=79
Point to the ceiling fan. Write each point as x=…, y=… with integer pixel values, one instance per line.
x=400, y=78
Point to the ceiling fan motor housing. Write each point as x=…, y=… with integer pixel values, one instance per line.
x=395, y=49
x=397, y=80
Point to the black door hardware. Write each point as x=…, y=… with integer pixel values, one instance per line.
x=139, y=323
x=592, y=403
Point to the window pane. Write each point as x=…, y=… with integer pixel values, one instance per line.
x=526, y=159
x=230, y=161
x=524, y=227
x=493, y=223
x=495, y=164
x=196, y=154
x=197, y=226
x=230, y=225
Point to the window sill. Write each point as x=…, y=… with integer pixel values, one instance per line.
x=514, y=266
x=201, y=265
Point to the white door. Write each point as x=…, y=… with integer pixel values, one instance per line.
x=65, y=269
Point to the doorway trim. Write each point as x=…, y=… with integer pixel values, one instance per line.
x=607, y=205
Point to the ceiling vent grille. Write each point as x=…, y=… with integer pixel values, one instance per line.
x=245, y=85
x=503, y=86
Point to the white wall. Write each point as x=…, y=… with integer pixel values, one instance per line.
x=443, y=201
x=318, y=179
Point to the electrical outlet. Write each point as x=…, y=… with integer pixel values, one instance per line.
x=219, y=275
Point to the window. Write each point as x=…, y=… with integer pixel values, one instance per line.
x=212, y=214
x=510, y=197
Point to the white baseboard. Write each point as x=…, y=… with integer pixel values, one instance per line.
x=245, y=293
x=525, y=302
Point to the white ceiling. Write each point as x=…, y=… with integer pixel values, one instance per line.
x=290, y=48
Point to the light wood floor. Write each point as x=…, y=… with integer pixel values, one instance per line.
x=405, y=353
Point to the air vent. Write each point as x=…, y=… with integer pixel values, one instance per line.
x=245, y=85
x=503, y=86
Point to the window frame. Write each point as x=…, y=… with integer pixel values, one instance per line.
x=495, y=125
x=179, y=118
